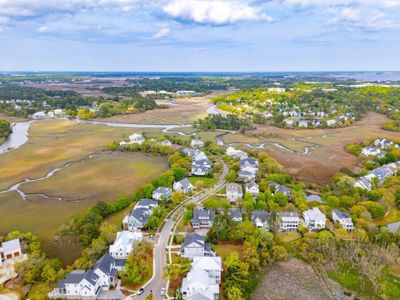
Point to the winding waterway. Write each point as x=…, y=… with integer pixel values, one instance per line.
x=18, y=136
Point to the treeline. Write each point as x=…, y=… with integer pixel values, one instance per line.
x=5, y=129
x=230, y=122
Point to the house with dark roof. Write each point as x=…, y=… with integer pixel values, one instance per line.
x=246, y=176
x=343, y=218
x=162, y=193
x=80, y=284
x=139, y=215
x=260, y=219
x=203, y=218
x=183, y=186
x=235, y=214
x=201, y=167
x=252, y=188
x=194, y=246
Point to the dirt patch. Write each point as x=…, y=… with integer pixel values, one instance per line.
x=328, y=154
x=294, y=280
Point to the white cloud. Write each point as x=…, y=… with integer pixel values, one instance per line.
x=350, y=14
x=43, y=29
x=163, y=32
x=217, y=12
x=3, y=20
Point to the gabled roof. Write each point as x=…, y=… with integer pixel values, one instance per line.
x=207, y=263
x=74, y=277
x=341, y=214
x=146, y=203
x=194, y=238
x=12, y=245
x=235, y=213
x=140, y=214
x=91, y=277
x=234, y=188
x=260, y=214
x=185, y=183
x=163, y=190
x=251, y=185
x=106, y=264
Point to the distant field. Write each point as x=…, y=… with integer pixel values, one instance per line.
x=326, y=146
x=102, y=177
x=52, y=144
x=183, y=111
x=87, y=180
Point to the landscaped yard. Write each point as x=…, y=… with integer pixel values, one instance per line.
x=207, y=181
x=393, y=216
x=224, y=250
x=287, y=237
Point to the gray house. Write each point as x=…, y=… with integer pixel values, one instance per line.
x=162, y=193
x=260, y=219
x=195, y=245
x=203, y=218
x=183, y=186
x=235, y=214
x=139, y=215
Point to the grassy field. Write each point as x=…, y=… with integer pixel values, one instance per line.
x=224, y=250
x=393, y=216
x=208, y=182
x=287, y=237
x=85, y=181
x=326, y=147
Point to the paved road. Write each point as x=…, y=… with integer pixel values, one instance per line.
x=158, y=281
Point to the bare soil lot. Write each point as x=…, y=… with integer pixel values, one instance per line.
x=293, y=280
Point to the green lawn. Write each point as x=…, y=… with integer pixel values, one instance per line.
x=223, y=250
x=216, y=202
x=287, y=237
x=208, y=182
x=39, y=291
x=350, y=278
x=393, y=216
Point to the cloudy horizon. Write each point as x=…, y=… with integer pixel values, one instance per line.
x=199, y=35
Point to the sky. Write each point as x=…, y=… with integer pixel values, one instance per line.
x=199, y=35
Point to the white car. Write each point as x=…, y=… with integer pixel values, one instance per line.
x=163, y=292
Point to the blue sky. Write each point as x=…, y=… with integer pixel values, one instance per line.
x=199, y=35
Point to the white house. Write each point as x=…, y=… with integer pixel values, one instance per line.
x=303, y=123
x=211, y=264
x=252, y=188
x=139, y=215
x=372, y=151
x=234, y=192
x=195, y=245
x=10, y=250
x=80, y=284
x=201, y=167
x=183, y=186
x=288, y=221
x=314, y=219
x=136, y=139
x=343, y=218
x=246, y=176
x=236, y=153
x=124, y=244
x=196, y=143
x=331, y=122
x=39, y=115
x=260, y=219
x=162, y=193
x=202, y=281
x=203, y=218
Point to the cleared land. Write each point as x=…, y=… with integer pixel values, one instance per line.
x=85, y=181
x=182, y=111
x=326, y=147
x=293, y=280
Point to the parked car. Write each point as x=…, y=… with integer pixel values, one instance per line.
x=140, y=291
x=163, y=292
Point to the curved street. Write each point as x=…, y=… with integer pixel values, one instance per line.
x=158, y=281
